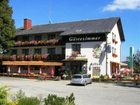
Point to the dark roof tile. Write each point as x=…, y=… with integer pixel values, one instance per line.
x=76, y=28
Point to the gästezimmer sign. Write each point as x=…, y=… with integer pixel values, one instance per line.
x=84, y=38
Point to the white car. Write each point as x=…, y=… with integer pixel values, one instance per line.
x=82, y=79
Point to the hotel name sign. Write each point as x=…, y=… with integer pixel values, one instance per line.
x=84, y=38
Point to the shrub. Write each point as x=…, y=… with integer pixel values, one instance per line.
x=70, y=100
x=3, y=95
x=55, y=100
x=104, y=77
x=29, y=101
x=19, y=95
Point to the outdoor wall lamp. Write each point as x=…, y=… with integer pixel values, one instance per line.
x=90, y=66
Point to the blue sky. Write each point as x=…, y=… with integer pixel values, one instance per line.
x=41, y=11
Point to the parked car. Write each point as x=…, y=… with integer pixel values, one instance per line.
x=82, y=79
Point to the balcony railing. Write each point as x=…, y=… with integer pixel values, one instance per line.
x=40, y=43
x=33, y=57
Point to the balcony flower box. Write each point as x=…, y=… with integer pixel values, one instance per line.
x=53, y=41
x=5, y=57
x=114, y=55
x=44, y=56
x=18, y=43
x=40, y=42
x=13, y=57
x=26, y=43
x=37, y=57
x=74, y=54
x=33, y=42
x=29, y=57
x=21, y=57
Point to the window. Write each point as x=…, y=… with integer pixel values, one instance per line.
x=51, y=36
x=25, y=51
x=25, y=38
x=76, y=76
x=113, y=50
x=76, y=47
x=85, y=76
x=14, y=52
x=51, y=50
x=63, y=51
x=37, y=37
x=113, y=37
x=37, y=51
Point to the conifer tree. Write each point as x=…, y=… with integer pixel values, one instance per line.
x=7, y=28
x=137, y=62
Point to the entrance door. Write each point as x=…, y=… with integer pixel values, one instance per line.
x=114, y=67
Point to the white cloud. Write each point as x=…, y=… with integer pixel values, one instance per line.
x=122, y=5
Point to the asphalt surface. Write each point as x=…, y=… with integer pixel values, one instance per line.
x=92, y=94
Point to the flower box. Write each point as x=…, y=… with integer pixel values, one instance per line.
x=13, y=57
x=114, y=55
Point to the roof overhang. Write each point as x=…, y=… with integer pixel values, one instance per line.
x=119, y=23
x=75, y=59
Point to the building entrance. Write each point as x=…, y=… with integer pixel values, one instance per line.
x=76, y=67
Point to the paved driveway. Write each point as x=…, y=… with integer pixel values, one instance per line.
x=94, y=94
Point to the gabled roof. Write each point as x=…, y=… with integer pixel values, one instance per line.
x=77, y=28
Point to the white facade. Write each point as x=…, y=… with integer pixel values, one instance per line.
x=96, y=54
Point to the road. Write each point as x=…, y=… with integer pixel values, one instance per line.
x=93, y=94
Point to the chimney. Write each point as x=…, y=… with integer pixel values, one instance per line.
x=27, y=24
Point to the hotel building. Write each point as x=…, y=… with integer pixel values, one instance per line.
x=90, y=46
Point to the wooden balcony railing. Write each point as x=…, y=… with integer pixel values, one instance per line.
x=39, y=43
x=33, y=57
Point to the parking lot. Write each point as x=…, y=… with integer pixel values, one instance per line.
x=93, y=94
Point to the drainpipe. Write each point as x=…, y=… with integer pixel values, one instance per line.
x=106, y=54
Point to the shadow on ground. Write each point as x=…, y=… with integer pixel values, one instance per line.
x=74, y=84
x=132, y=85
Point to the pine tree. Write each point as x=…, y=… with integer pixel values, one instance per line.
x=7, y=28
x=137, y=62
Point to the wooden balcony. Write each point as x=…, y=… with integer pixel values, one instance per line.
x=39, y=43
x=33, y=57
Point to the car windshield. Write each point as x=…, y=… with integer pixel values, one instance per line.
x=76, y=76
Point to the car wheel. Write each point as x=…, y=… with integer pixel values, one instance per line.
x=85, y=83
x=90, y=82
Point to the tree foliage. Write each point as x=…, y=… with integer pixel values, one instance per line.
x=137, y=62
x=7, y=28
